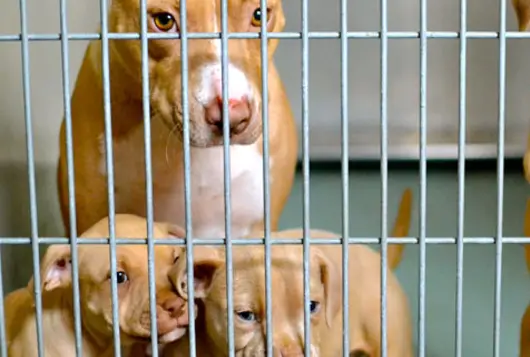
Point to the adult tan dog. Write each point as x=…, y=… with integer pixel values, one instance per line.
x=524, y=340
x=95, y=292
x=244, y=82
x=287, y=299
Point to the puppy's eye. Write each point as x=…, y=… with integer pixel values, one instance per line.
x=314, y=306
x=247, y=316
x=257, y=15
x=121, y=277
x=165, y=22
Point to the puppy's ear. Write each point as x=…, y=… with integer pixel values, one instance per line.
x=329, y=275
x=56, y=266
x=176, y=231
x=206, y=261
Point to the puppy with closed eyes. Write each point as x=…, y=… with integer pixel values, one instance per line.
x=95, y=296
x=325, y=277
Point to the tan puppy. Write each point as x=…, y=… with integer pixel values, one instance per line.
x=287, y=299
x=524, y=340
x=95, y=293
x=244, y=97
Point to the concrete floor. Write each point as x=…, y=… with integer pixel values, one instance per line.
x=479, y=265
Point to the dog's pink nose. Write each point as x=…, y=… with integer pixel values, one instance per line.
x=238, y=111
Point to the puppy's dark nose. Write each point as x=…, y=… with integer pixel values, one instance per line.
x=238, y=113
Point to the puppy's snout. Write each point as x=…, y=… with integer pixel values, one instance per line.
x=173, y=306
x=239, y=114
x=172, y=313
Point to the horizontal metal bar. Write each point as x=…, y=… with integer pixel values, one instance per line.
x=274, y=241
x=276, y=35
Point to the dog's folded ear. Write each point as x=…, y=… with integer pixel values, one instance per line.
x=329, y=275
x=56, y=267
x=206, y=261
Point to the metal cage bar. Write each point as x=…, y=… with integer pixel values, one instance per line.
x=187, y=171
x=274, y=241
x=423, y=177
x=461, y=180
x=65, y=68
x=447, y=35
x=306, y=224
x=227, y=182
x=500, y=179
x=26, y=83
x=110, y=173
x=345, y=175
x=384, y=172
x=148, y=175
x=266, y=179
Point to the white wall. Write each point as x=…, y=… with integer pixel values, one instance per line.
x=364, y=76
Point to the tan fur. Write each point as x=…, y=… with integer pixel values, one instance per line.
x=522, y=11
x=524, y=340
x=166, y=119
x=95, y=292
x=287, y=299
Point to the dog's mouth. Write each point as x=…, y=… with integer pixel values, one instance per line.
x=172, y=335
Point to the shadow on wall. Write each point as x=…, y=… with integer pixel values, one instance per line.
x=15, y=219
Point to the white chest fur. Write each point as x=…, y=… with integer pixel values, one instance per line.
x=207, y=183
x=207, y=190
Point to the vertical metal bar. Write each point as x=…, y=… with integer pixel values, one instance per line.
x=461, y=177
x=110, y=172
x=71, y=178
x=227, y=183
x=187, y=170
x=423, y=173
x=31, y=174
x=305, y=173
x=500, y=178
x=266, y=181
x=148, y=175
x=3, y=337
x=384, y=172
x=345, y=174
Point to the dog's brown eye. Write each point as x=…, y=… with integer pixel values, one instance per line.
x=121, y=277
x=165, y=22
x=257, y=17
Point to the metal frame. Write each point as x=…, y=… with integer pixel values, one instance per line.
x=305, y=35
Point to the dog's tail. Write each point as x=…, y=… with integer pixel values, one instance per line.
x=527, y=234
x=401, y=229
